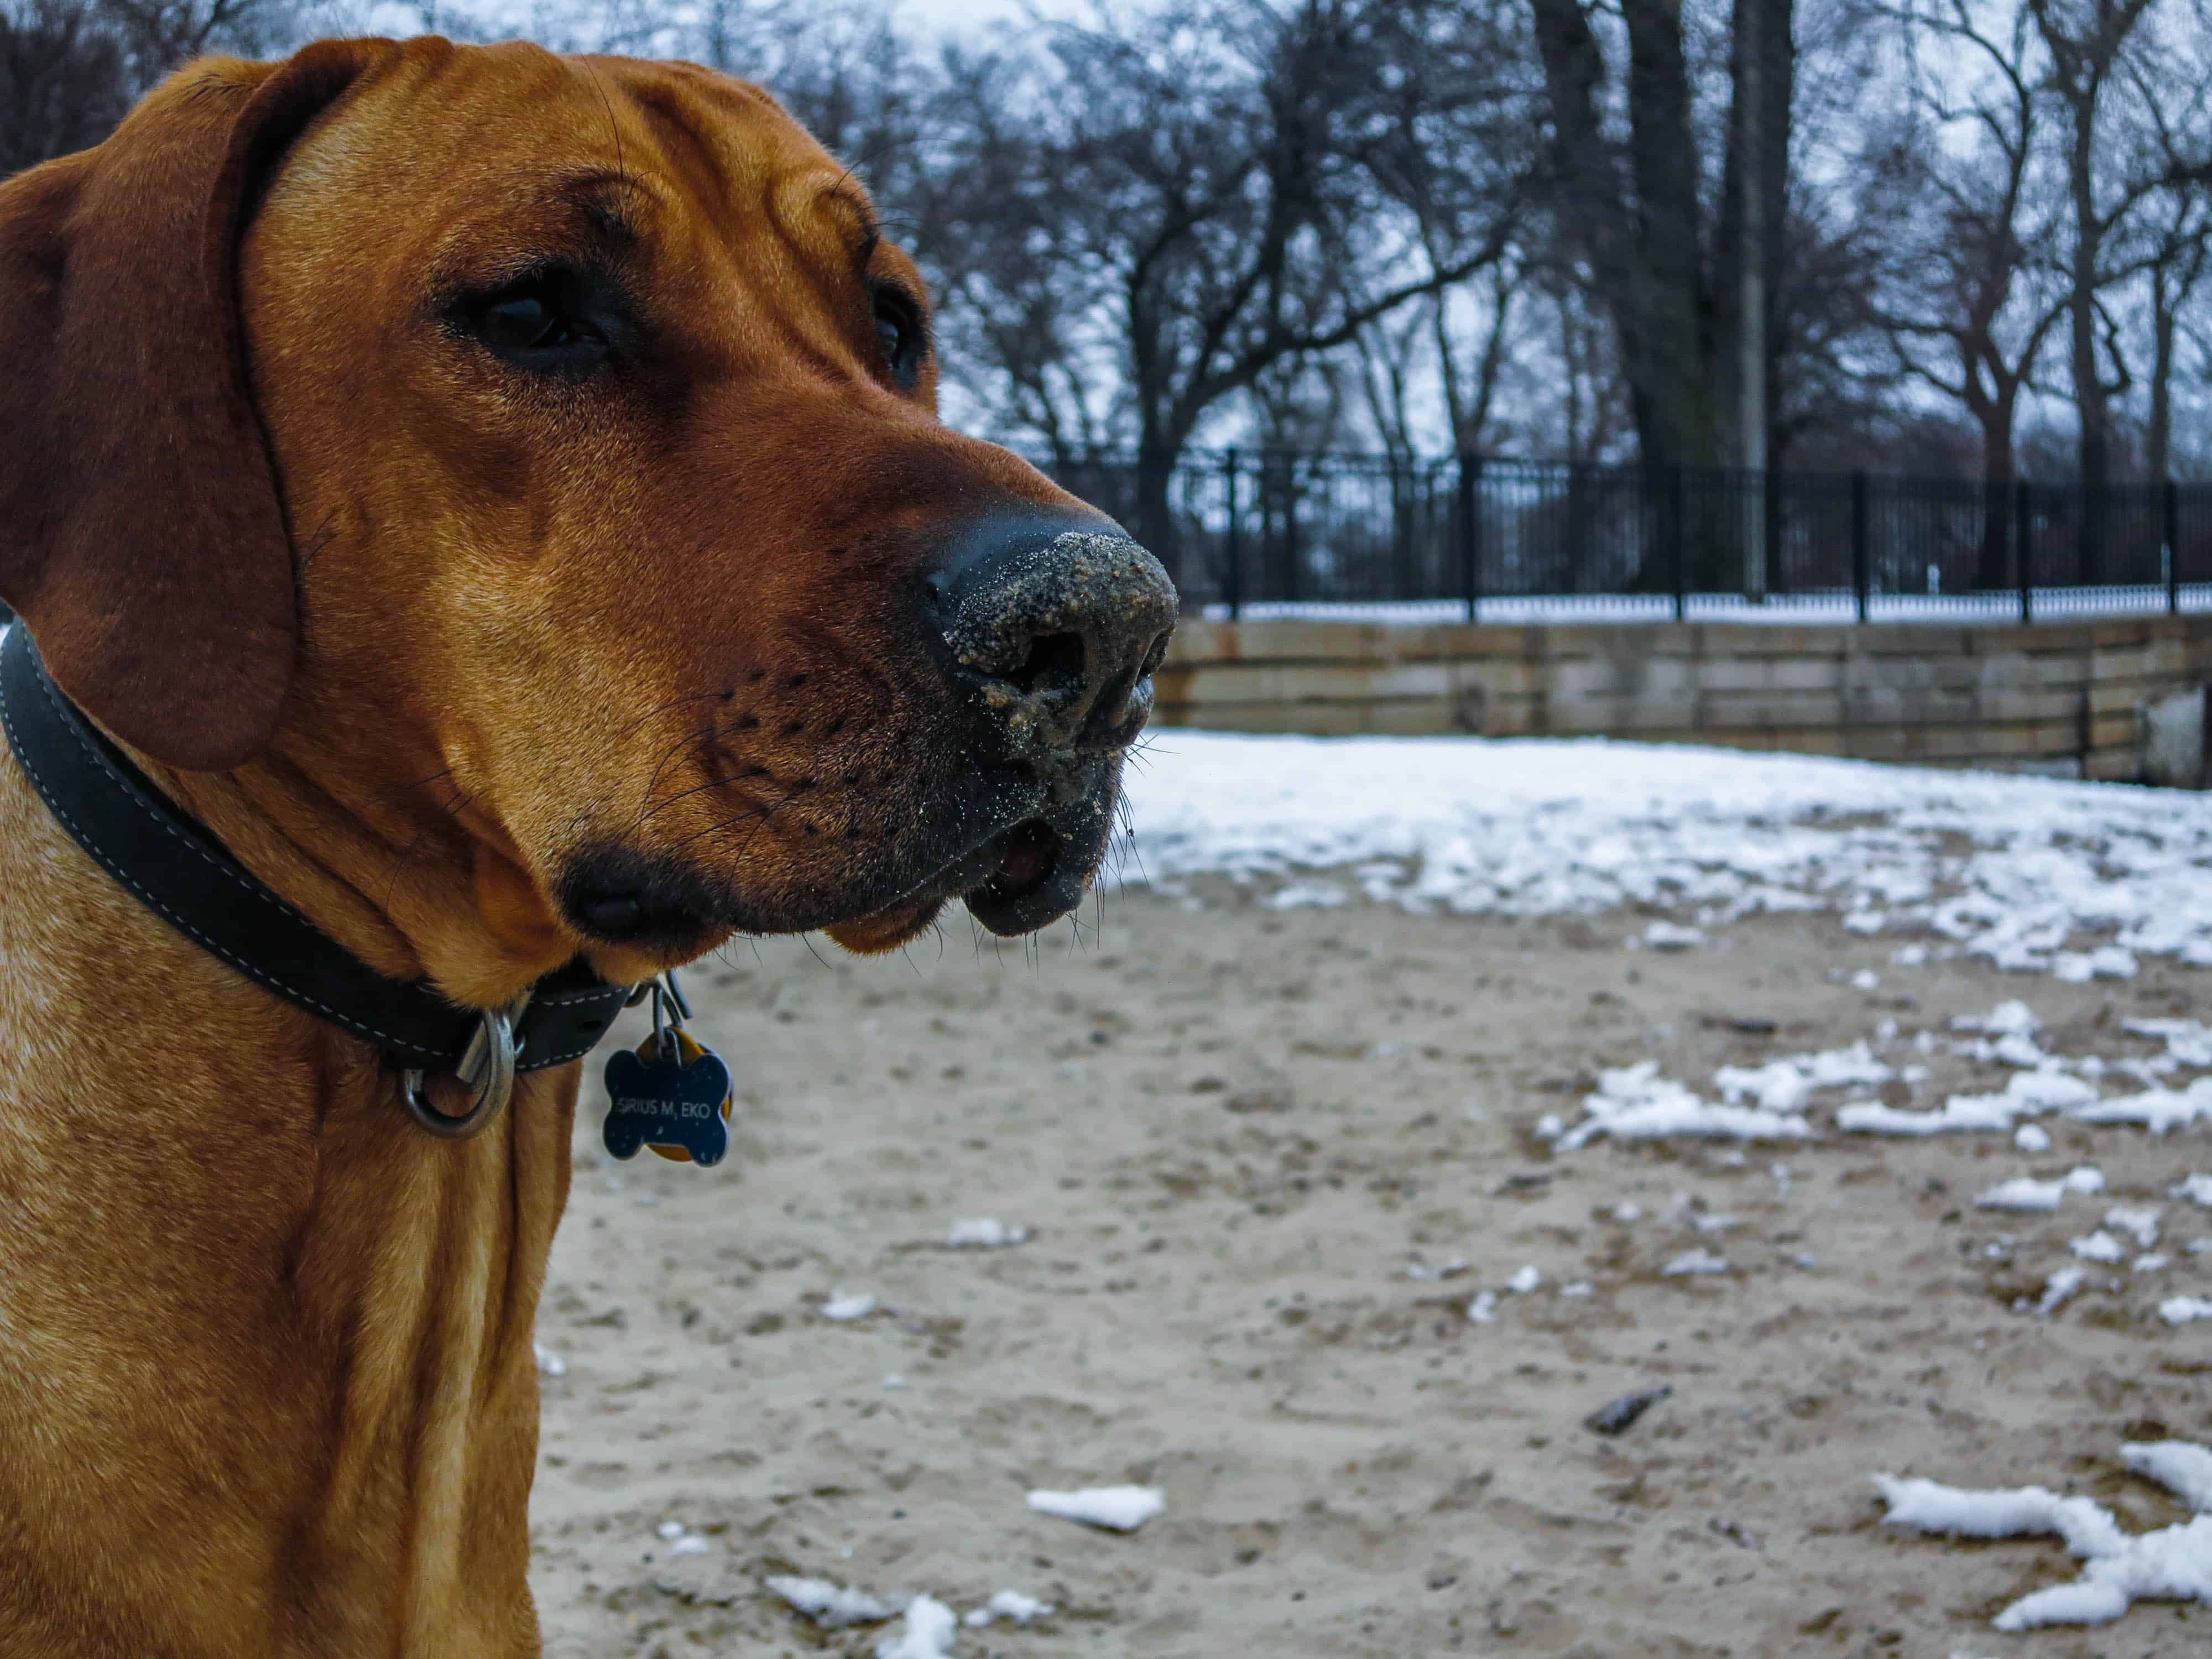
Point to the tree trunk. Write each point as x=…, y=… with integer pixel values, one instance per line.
x=1638, y=225
x=1156, y=526
x=1993, y=564
x=2158, y=435
x=1666, y=281
x=2095, y=466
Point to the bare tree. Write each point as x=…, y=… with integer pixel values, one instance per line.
x=1633, y=212
x=62, y=83
x=1202, y=180
x=2084, y=42
x=2180, y=257
x=1951, y=189
x=2172, y=130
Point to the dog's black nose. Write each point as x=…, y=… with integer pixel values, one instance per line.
x=1060, y=619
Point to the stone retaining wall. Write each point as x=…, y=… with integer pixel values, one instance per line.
x=2059, y=697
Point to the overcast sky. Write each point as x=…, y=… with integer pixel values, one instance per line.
x=971, y=14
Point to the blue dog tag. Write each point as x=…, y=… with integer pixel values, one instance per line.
x=679, y=1106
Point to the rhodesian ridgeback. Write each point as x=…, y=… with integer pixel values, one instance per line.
x=498, y=499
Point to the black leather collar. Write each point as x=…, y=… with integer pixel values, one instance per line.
x=176, y=870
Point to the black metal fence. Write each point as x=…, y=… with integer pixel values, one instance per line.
x=1298, y=533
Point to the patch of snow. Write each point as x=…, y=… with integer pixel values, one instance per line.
x=690, y=1543
x=2030, y=1138
x=928, y=1632
x=1634, y=1103
x=1118, y=1509
x=1909, y=956
x=1527, y=1279
x=1865, y=980
x=2142, y=1220
x=2022, y=872
x=2182, y=1467
x=2150, y=1263
x=844, y=1306
x=2156, y=1110
x=1308, y=895
x=2188, y=1041
x=2175, y=1562
x=1426, y=1274
x=985, y=1232
x=1670, y=936
x=1694, y=1262
x=1784, y=1085
x=2194, y=1189
x=2060, y=1288
x=2024, y=1094
x=2099, y=1246
x=833, y=1607
x=548, y=1362
x=1010, y=1605
x=2181, y=1309
x=1482, y=1308
x=2079, y=967
x=2012, y=1018
x=1577, y=1288
x=2027, y=1193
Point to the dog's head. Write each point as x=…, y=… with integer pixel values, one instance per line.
x=536, y=458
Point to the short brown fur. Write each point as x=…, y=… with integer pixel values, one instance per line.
x=405, y=632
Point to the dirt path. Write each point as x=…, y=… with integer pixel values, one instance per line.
x=1232, y=1130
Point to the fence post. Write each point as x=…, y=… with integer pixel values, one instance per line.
x=1470, y=532
x=1233, y=576
x=1677, y=534
x=2024, y=541
x=2171, y=500
x=1862, y=552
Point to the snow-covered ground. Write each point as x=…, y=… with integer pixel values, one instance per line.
x=2033, y=874
x=2073, y=880
x=1796, y=609
x=2171, y=1563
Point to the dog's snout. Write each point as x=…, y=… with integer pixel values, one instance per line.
x=1060, y=619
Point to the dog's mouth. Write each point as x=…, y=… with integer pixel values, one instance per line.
x=1018, y=877
x=1015, y=883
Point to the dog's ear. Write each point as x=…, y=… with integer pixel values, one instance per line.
x=142, y=534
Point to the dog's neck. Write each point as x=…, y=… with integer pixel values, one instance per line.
x=319, y=1391
x=394, y=863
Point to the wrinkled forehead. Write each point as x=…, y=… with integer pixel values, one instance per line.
x=493, y=151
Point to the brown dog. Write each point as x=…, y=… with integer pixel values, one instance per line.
x=500, y=496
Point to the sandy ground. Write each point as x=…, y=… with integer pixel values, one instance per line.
x=1232, y=1130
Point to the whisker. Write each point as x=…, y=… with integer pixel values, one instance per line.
x=673, y=702
x=696, y=788
x=678, y=747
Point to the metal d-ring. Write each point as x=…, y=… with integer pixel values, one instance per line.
x=487, y=1067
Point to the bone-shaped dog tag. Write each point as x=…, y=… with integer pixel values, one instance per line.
x=679, y=1106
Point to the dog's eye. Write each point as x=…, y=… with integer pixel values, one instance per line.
x=525, y=322
x=538, y=324
x=900, y=337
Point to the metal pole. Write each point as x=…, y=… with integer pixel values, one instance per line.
x=2172, y=501
x=1234, y=583
x=1751, y=301
x=2024, y=543
x=1470, y=532
x=1862, y=553
x=1677, y=483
